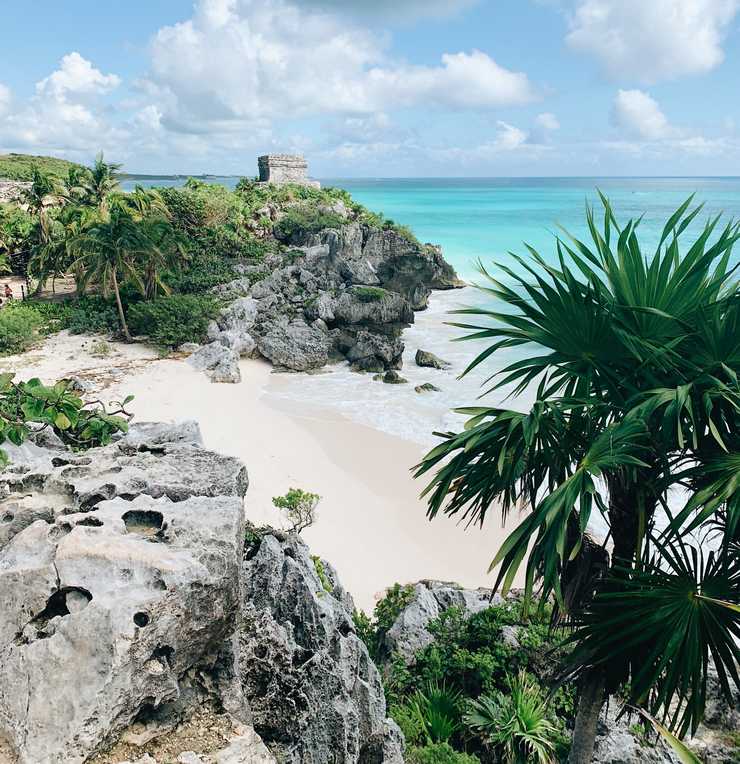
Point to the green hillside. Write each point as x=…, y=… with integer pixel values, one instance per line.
x=20, y=166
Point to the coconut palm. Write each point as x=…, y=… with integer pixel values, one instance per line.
x=42, y=192
x=101, y=182
x=634, y=363
x=109, y=252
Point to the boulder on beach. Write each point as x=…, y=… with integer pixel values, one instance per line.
x=426, y=359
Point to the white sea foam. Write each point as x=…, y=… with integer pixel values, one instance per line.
x=398, y=409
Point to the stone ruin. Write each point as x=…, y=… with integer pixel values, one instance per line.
x=285, y=168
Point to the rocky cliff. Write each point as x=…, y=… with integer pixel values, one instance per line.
x=133, y=627
x=340, y=293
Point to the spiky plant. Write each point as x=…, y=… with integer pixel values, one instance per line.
x=516, y=724
x=634, y=361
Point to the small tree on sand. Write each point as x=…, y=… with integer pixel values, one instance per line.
x=299, y=507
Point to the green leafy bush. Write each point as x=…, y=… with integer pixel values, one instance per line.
x=318, y=566
x=172, y=320
x=204, y=271
x=19, y=327
x=438, y=709
x=372, y=632
x=303, y=219
x=438, y=753
x=78, y=424
x=369, y=293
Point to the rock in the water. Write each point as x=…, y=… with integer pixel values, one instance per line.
x=427, y=387
x=295, y=346
x=429, y=360
x=122, y=597
x=315, y=694
x=375, y=352
x=391, y=377
x=219, y=362
x=428, y=601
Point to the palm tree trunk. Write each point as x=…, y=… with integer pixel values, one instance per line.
x=589, y=707
x=121, y=314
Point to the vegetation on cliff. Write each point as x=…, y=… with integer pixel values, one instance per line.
x=22, y=166
x=636, y=361
x=134, y=256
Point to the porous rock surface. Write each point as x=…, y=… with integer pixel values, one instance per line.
x=119, y=573
x=428, y=601
x=344, y=293
x=314, y=693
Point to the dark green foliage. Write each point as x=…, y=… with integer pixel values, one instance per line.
x=516, y=723
x=305, y=219
x=299, y=507
x=369, y=293
x=470, y=656
x=88, y=315
x=169, y=321
x=633, y=358
x=204, y=271
x=19, y=327
x=79, y=425
x=438, y=753
x=438, y=710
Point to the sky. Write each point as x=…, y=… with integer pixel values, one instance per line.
x=377, y=88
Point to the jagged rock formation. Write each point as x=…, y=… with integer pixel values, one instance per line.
x=426, y=359
x=315, y=694
x=343, y=293
x=126, y=598
x=428, y=601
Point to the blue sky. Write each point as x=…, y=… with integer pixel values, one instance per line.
x=383, y=88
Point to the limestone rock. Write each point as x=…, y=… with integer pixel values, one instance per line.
x=122, y=596
x=219, y=362
x=315, y=694
x=232, y=289
x=242, y=343
x=295, y=346
x=427, y=387
x=616, y=743
x=429, y=600
x=375, y=352
x=353, y=307
x=391, y=377
x=426, y=359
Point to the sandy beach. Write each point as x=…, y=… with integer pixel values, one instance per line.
x=371, y=523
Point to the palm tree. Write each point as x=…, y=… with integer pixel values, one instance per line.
x=634, y=362
x=109, y=253
x=41, y=193
x=102, y=181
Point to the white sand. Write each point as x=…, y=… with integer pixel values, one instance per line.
x=371, y=525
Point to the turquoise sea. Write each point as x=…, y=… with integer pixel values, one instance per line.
x=486, y=218
x=480, y=219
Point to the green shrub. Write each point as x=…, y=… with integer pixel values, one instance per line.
x=301, y=220
x=299, y=507
x=386, y=611
x=438, y=753
x=204, y=271
x=19, y=325
x=79, y=425
x=515, y=723
x=438, y=710
x=369, y=293
x=318, y=566
x=169, y=321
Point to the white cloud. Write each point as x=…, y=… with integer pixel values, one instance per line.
x=651, y=40
x=639, y=115
x=5, y=98
x=76, y=76
x=64, y=114
x=243, y=60
x=547, y=121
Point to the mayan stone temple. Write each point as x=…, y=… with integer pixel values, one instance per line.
x=285, y=168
